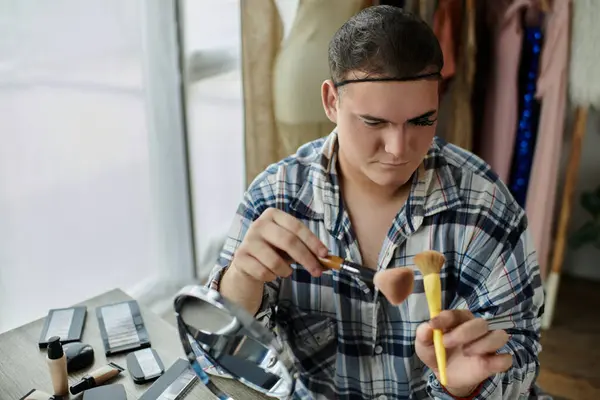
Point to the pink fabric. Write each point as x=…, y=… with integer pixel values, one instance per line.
x=552, y=89
x=501, y=107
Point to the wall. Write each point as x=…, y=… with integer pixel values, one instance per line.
x=75, y=212
x=584, y=262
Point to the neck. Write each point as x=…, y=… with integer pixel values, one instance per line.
x=353, y=181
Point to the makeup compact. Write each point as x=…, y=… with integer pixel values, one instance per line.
x=112, y=392
x=79, y=356
x=122, y=327
x=173, y=384
x=144, y=365
x=66, y=323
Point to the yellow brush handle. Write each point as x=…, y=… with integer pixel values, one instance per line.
x=440, y=355
x=433, y=291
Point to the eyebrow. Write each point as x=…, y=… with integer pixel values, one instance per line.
x=382, y=120
x=423, y=116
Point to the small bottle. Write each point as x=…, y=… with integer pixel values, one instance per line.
x=57, y=363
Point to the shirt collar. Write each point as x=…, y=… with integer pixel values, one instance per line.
x=434, y=190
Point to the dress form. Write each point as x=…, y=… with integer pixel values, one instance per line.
x=301, y=66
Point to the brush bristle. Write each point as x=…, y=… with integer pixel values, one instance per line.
x=430, y=262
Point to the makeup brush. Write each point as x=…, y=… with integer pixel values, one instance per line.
x=430, y=264
x=396, y=284
x=339, y=264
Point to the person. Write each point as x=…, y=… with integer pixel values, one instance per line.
x=378, y=190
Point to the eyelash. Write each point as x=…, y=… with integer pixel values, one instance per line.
x=420, y=122
x=424, y=122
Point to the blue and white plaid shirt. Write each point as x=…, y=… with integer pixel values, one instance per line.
x=350, y=343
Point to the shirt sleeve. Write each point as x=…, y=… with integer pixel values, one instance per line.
x=509, y=295
x=248, y=211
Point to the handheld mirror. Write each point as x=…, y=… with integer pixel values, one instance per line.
x=221, y=338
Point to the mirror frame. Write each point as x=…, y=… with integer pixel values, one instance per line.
x=198, y=343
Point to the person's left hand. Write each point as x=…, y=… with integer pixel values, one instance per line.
x=470, y=350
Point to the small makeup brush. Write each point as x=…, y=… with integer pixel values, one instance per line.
x=339, y=264
x=430, y=264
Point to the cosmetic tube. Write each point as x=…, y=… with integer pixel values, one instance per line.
x=57, y=364
x=97, y=378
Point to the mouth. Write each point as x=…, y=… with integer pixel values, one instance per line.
x=393, y=165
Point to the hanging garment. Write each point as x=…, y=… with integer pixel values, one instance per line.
x=446, y=25
x=501, y=108
x=529, y=112
x=460, y=127
x=485, y=62
x=552, y=89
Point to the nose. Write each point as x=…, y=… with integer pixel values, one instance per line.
x=396, y=142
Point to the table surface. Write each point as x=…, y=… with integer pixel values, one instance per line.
x=23, y=365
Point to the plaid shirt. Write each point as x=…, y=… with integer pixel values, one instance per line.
x=349, y=342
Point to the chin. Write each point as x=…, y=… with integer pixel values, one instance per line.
x=389, y=180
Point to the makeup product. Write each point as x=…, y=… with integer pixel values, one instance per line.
x=174, y=384
x=97, y=378
x=79, y=356
x=112, y=392
x=430, y=264
x=35, y=394
x=339, y=264
x=122, y=327
x=66, y=323
x=57, y=364
x=144, y=365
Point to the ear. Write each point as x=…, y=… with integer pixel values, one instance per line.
x=329, y=96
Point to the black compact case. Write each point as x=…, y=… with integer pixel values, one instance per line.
x=122, y=327
x=113, y=392
x=66, y=323
x=144, y=365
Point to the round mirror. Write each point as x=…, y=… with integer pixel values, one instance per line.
x=221, y=338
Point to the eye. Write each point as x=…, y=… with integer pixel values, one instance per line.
x=423, y=122
x=372, y=124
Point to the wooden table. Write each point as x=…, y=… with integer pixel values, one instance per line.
x=23, y=365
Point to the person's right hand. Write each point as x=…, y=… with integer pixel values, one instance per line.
x=274, y=241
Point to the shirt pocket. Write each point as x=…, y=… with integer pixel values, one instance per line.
x=314, y=342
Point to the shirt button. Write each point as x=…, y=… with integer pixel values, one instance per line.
x=379, y=350
x=383, y=397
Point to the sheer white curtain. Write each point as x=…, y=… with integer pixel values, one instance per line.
x=89, y=177
x=215, y=116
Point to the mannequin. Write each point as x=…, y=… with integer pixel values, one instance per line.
x=283, y=68
x=301, y=66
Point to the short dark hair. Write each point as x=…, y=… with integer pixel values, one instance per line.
x=384, y=41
